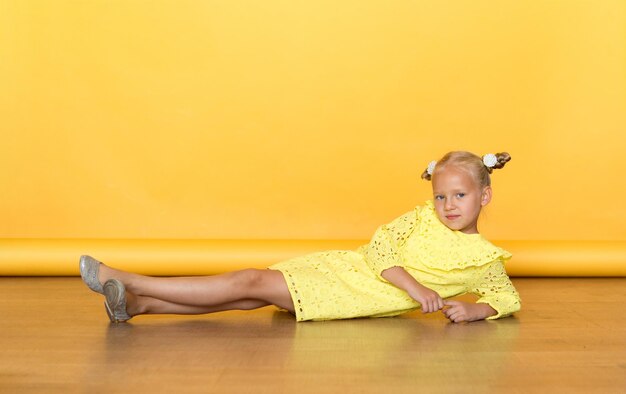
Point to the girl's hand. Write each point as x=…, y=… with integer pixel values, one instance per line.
x=458, y=311
x=429, y=299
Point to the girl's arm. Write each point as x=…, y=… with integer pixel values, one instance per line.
x=385, y=248
x=429, y=299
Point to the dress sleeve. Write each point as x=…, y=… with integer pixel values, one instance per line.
x=494, y=287
x=383, y=250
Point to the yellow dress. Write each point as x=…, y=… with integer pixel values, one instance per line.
x=342, y=284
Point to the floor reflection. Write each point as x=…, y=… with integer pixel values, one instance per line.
x=218, y=348
x=412, y=346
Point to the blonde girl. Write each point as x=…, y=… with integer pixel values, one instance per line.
x=418, y=260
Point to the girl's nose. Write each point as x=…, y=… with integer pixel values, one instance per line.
x=449, y=204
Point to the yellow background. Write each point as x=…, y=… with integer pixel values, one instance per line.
x=251, y=120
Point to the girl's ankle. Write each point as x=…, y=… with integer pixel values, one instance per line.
x=134, y=305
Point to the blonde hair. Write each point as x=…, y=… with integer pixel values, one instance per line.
x=472, y=163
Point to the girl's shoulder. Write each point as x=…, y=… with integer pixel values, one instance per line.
x=436, y=246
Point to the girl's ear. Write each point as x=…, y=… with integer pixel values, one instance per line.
x=486, y=196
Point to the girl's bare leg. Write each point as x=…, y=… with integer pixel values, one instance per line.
x=139, y=305
x=266, y=285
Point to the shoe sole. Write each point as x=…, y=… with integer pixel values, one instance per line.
x=115, y=301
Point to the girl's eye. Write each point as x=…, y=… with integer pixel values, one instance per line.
x=460, y=195
x=438, y=197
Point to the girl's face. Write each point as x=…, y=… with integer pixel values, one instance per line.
x=458, y=199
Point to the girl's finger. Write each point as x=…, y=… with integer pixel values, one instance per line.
x=460, y=317
x=454, y=315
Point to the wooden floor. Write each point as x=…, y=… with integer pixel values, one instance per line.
x=569, y=337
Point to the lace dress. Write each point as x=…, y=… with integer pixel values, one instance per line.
x=342, y=284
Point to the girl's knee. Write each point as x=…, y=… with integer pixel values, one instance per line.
x=261, y=284
x=249, y=278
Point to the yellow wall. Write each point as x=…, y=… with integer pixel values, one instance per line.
x=306, y=120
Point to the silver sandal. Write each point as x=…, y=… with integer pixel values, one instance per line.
x=89, y=268
x=115, y=304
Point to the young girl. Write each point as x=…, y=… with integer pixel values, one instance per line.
x=417, y=261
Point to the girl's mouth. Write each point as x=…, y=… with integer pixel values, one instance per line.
x=452, y=217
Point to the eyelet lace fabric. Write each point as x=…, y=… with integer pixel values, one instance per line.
x=347, y=284
x=493, y=287
x=437, y=247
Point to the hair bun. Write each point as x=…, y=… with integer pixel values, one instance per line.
x=503, y=158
